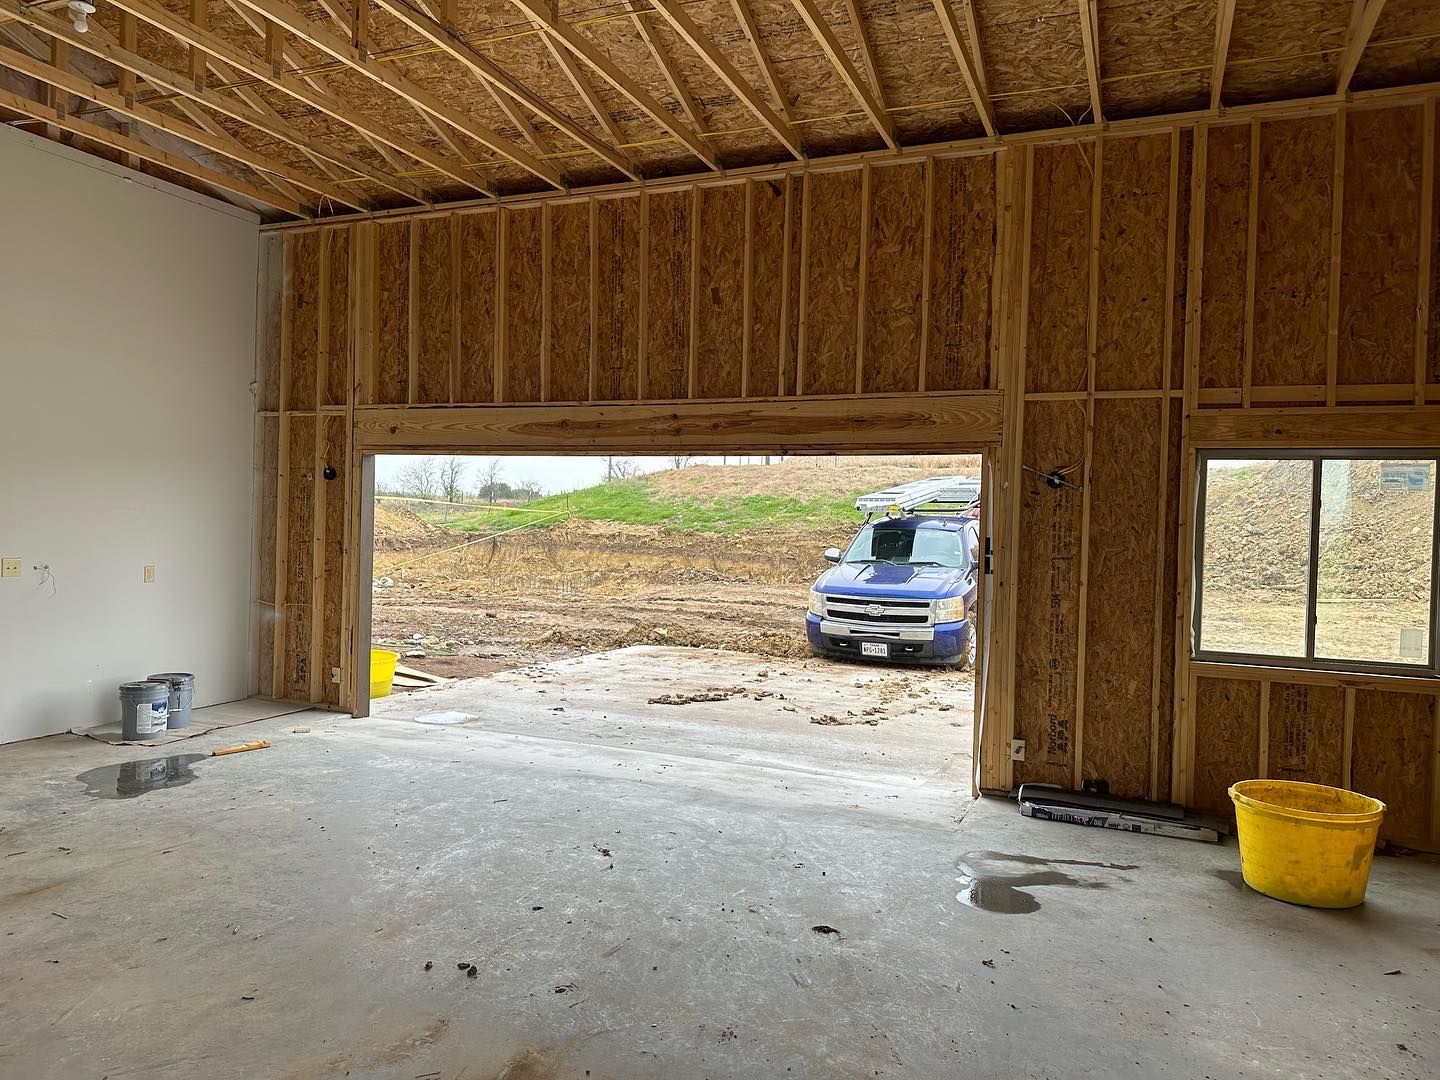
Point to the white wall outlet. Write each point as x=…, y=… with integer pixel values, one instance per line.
x=9, y=567
x=1017, y=749
x=149, y=575
x=335, y=675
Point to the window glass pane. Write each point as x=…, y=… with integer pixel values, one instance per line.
x=1256, y=561
x=1377, y=521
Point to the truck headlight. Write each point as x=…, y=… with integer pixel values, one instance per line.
x=817, y=603
x=951, y=609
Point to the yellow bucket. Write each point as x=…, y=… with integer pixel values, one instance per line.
x=382, y=672
x=1306, y=843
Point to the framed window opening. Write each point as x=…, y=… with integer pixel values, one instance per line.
x=1325, y=559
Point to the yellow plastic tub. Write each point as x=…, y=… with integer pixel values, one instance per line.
x=382, y=672
x=1306, y=843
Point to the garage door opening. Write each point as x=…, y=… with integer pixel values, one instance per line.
x=799, y=606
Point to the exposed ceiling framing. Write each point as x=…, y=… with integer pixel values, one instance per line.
x=310, y=108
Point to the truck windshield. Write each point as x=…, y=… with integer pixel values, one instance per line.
x=907, y=547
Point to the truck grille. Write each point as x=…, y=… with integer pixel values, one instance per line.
x=878, y=612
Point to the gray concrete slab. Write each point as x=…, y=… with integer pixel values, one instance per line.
x=637, y=886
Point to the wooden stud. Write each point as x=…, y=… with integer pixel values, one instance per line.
x=642, y=362
x=1263, y=759
x=1091, y=351
x=457, y=309
x=692, y=370
x=787, y=241
x=927, y=248
x=747, y=288
x=1224, y=23
x=1347, y=751
x=594, y=380
x=1251, y=246
x=318, y=572
x=128, y=39
x=282, y=479
x=804, y=302
x=863, y=274
x=868, y=100
x=547, y=272
x=1337, y=220
x=412, y=334
x=969, y=67
x=1427, y=243
x=502, y=303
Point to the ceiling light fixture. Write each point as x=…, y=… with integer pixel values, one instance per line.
x=80, y=11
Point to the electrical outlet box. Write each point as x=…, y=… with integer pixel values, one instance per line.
x=149, y=575
x=335, y=675
x=9, y=567
x=1017, y=749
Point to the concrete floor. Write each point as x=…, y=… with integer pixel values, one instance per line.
x=638, y=894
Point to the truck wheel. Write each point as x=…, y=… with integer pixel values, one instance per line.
x=971, y=648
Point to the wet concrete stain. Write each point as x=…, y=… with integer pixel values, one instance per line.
x=1008, y=893
x=130, y=779
x=1234, y=878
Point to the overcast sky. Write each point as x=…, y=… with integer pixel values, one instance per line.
x=552, y=474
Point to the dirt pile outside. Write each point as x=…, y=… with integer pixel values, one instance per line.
x=398, y=529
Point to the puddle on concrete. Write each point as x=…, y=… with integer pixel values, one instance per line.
x=131, y=778
x=983, y=887
x=1234, y=878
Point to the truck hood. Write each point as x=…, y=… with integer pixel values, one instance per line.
x=890, y=579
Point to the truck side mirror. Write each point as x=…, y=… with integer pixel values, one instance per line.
x=832, y=555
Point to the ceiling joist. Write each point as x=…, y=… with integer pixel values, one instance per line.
x=1090, y=38
x=1362, y=26
x=869, y=103
x=1224, y=23
x=746, y=18
x=967, y=63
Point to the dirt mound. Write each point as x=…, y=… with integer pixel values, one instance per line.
x=808, y=477
x=398, y=529
x=731, y=638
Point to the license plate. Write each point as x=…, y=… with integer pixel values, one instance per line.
x=874, y=648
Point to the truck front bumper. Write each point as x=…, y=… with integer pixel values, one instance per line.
x=944, y=643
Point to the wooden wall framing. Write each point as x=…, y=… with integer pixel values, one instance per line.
x=1102, y=305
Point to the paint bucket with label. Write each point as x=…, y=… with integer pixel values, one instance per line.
x=182, y=693
x=144, y=710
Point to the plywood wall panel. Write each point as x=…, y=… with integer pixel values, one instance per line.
x=475, y=380
x=1227, y=740
x=267, y=460
x=435, y=314
x=392, y=313
x=304, y=316
x=962, y=253
x=299, y=517
x=1307, y=733
x=569, y=286
x=833, y=288
x=1292, y=252
x=720, y=292
x=1048, y=596
x=1394, y=760
x=617, y=333
x=896, y=245
x=335, y=381
x=1134, y=239
x=523, y=301
x=1057, y=337
x=271, y=303
x=1223, y=276
x=332, y=492
x=1379, y=271
x=1119, y=652
x=767, y=285
x=667, y=344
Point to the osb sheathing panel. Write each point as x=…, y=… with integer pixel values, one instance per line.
x=569, y=285
x=1134, y=234
x=1119, y=651
x=267, y=457
x=1034, y=62
x=894, y=262
x=918, y=75
x=1155, y=57
x=667, y=345
x=299, y=558
x=1056, y=346
x=392, y=313
x=335, y=381
x=1227, y=740
x=476, y=379
x=333, y=451
x=962, y=253
x=1380, y=246
x=435, y=317
x=1168, y=601
x=1307, y=733
x=273, y=283
x=304, y=312
x=720, y=292
x=1393, y=761
x=1222, y=284
x=1284, y=50
x=617, y=294
x=832, y=299
x=1048, y=595
x=1292, y=251
x=1404, y=48
x=767, y=285
x=524, y=281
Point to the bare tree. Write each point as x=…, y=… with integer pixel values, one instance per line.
x=680, y=461
x=452, y=479
x=491, y=486
x=619, y=468
x=418, y=479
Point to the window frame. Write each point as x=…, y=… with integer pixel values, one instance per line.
x=1310, y=661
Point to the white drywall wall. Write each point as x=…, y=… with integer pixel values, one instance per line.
x=127, y=345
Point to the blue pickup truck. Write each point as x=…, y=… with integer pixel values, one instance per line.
x=905, y=588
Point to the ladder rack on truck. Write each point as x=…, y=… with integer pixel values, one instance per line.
x=938, y=495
